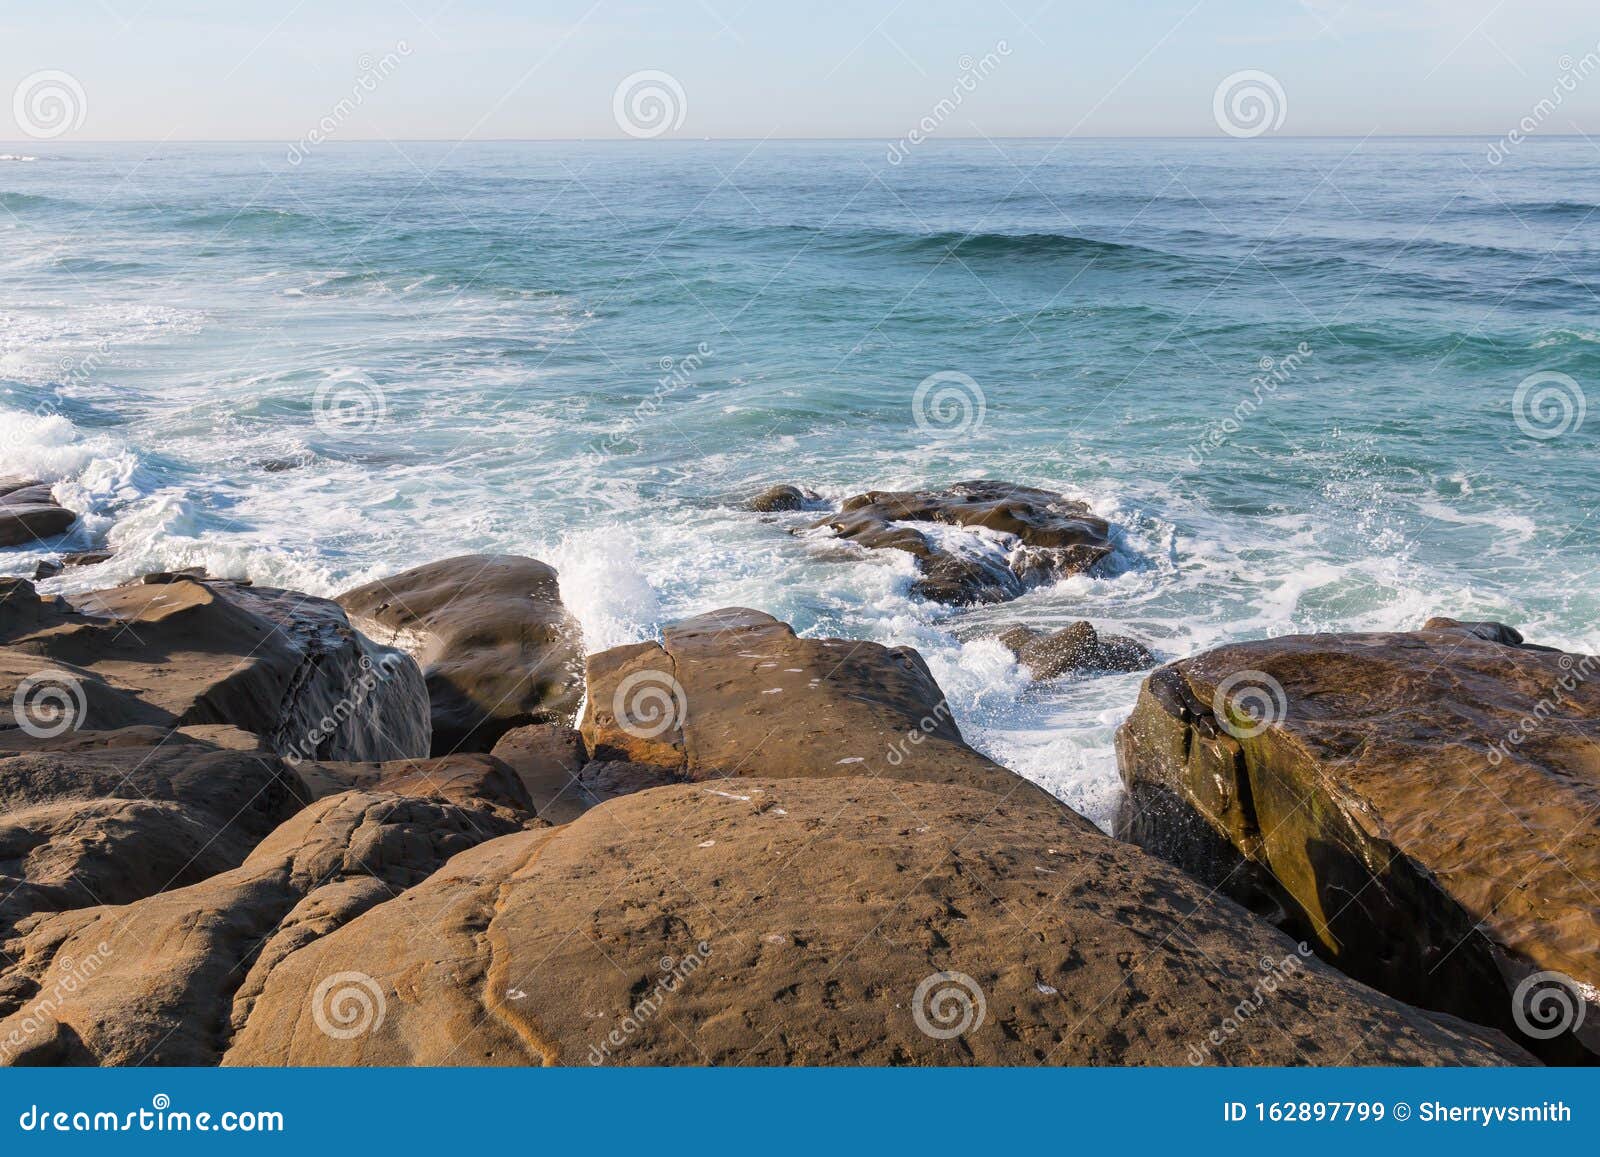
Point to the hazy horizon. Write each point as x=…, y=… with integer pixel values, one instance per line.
x=166, y=70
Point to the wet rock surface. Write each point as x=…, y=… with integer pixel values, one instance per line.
x=1075, y=649
x=497, y=648
x=1033, y=536
x=1420, y=805
x=29, y=513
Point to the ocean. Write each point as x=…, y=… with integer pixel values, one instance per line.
x=1314, y=384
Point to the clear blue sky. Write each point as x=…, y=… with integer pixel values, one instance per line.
x=223, y=70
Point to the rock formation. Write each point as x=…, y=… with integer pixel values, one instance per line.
x=1419, y=805
x=497, y=648
x=1037, y=535
x=280, y=664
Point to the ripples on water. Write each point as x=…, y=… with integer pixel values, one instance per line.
x=507, y=311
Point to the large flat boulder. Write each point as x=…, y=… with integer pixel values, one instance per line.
x=829, y=922
x=1422, y=806
x=191, y=651
x=173, y=974
x=29, y=513
x=735, y=692
x=497, y=647
x=1021, y=536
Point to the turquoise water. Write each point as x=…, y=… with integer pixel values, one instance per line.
x=1286, y=371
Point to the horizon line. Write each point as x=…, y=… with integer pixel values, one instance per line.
x=1217, y=137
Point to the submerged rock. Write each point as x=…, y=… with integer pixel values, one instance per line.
x=1036, y=536
x=1420, y=805
x=784, y=497
x=1075, y=648
x=51, y=567
x=497, y=647
x=28, y=513
x=829, y=922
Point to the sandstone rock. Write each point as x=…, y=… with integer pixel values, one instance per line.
x=28, y=513
x=783, y=497
x=23, y=610
x=830, y=922
x=1420, y=805
x=1076, y=648
x=174, y=973
x=469, y=780
x=207, y=737
x=51, y=567
x=497, y=647
x=735, y=692
x=118, y=822
x=187, y=652
x=1036, y=535
x=560, y=777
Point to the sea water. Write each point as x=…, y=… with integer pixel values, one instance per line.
x=1315, y=385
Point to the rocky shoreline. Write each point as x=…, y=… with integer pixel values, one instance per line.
x=422, y=824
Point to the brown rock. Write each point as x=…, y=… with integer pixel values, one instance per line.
x=783, y=497
x=51, y=567
x=28, y=513
x=1076, y=648
x=173, y=974
x=282, y=665
x=1419, y=805
x=468, y=779
x=113, y=824
x=549, y=759
x=497, y=648
x=824, y=923
x=735, y=692
x=1050, y=536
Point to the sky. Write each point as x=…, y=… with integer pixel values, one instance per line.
x=286, y=70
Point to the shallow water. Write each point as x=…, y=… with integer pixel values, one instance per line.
x=588, y=352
